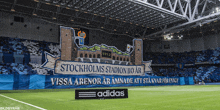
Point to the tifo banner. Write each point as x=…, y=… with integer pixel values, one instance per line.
x=19, y=82
x=69, y=67
x=90, y=81
x=82, y=68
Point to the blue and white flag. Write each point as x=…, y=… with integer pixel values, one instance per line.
x=129, y=47
x=180, y=65
x=81, y=40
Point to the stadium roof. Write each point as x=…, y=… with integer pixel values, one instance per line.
x=140, y=18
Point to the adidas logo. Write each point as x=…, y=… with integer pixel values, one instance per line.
x=101, y=93
x=109, y=93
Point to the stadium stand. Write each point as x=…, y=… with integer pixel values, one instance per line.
x=21, y=56
x=193, y=58
x=209, y=55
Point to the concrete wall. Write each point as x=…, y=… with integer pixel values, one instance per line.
x=44, y=34
x=218, y=40
x=210, y=42
x=197, y=44
x=156, y=46
x=190, y=44
x=10, y=28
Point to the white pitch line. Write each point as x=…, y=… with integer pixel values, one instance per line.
x=23, y=102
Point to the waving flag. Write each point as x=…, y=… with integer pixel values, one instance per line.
x=129, y=47
x=81, y=40
x=83, y=33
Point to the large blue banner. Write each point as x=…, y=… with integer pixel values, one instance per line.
x=37, y=82
x=90, y=81
x=6, y=82
x=19, y=82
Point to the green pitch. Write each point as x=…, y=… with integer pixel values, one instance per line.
x=205, y=97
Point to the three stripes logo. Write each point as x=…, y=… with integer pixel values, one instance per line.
x=101, y=94
x=87, y=94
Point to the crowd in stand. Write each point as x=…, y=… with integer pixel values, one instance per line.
x=200, y=72
x=15, y=68
x=172, y=71
x=208, y=74
x=185, y=57
x=171, y=58
x=18, y=56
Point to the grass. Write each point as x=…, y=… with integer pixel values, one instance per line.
x=206, y=97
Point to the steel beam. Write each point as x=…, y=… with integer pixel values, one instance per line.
x=194, y=11
x=161, y=4
x=204, y=7
x=187, y=23
x=174, y=8
x=149, y=5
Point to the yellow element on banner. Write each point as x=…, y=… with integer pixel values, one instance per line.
x=180, y=65
x=83, y=33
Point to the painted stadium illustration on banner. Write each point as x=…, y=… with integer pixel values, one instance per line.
x=77, y=58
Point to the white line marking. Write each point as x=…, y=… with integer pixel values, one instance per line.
x=88, y=92
x=23, y=102
x=87, y=96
